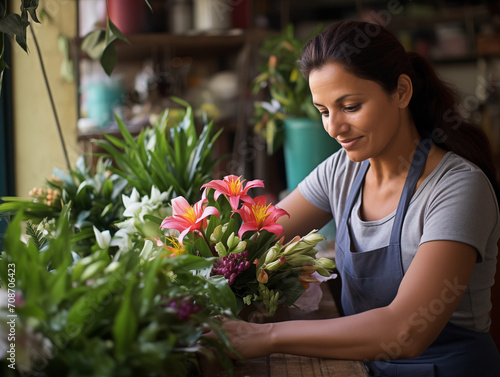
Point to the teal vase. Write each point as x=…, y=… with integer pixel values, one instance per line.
x=306, y=144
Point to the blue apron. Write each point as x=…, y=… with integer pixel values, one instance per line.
x=370, y=279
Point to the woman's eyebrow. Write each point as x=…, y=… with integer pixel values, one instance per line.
x=340, y=99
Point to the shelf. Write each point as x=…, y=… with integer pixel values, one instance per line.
x=226, y=41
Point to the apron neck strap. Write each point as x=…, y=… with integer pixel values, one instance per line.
x=417, y=164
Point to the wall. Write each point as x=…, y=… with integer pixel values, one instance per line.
x=37, y=148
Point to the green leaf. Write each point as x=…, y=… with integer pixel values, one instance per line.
x=113, y=32
x=202, y=247
x=15, y=26
x=149, y=285
x=125, y=325
x=30, y=6
x=188, y=262
x=109, y=58
x=221, y=293
x=94, y=43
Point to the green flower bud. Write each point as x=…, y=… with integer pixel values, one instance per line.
x=273, y=266
x=300, y=260
x=216, y=234
x=271, y=255
x=326, y=263
x=221, y=249
x=232, y=241
x=290, y=248
x=242, y=245
x=323, y=272
x=313, y=238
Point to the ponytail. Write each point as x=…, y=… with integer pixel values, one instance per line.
x=435, y=111
x=373, y=53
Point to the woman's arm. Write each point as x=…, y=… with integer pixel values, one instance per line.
x=304, y=216
x=429, y=293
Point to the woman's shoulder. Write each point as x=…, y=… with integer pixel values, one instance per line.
x=457, y=176
x=453, y=164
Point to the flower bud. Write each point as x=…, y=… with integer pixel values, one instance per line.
x=273, y=61
x=290, y=248
x=323, y=271
x=240, y=247
x=232, y=241
x=271, y=255
x=326, y=263
x=262, y=277
x=313, y=238
x=273, y=266
x=221, y=249
x=299, y=260
x=216, y=234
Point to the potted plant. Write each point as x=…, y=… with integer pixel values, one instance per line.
x=289, y=117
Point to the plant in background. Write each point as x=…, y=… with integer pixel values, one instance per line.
x=161, y=161
x=94, y=198
x=288, y=90
x=242, y=234
x=172, y=158
x=107, y=316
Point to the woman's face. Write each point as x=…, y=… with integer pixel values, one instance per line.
x=358, y=113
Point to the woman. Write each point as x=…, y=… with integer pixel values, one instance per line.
x=413, y=195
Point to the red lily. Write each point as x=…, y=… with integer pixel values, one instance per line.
x=232, y=187
x=187, y=218
x=261, y=216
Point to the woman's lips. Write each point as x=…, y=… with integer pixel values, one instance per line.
x=349, y=143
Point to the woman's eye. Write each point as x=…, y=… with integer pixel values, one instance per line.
x=351, y=108
x=324, y=113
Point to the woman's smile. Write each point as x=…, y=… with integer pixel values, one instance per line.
x=357, y=112
x=349, y=143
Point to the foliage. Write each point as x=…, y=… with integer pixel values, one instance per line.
x=99, y=44
x=94, y=197
x=105, y=316
x=287, y=88
x=15, y=25
x=173, y=159
x=243, y=235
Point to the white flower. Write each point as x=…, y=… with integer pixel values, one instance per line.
x=122, y=238
x=103, y=238
x=132, y=203
x=273, y=106
x=147, y=250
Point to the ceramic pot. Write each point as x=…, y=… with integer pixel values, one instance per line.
x=127, y=15
x=305, y=146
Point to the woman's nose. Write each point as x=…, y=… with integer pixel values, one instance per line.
x=334, y=125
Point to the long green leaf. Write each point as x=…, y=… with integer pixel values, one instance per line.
x=125, y=325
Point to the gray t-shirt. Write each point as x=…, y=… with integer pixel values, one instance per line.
x=455, y=202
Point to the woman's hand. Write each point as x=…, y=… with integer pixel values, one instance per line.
x=250, y=340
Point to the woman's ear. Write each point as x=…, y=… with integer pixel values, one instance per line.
x=405, y=90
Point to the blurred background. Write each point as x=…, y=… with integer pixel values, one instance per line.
x=208, y=52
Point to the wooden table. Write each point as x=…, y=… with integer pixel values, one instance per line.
x=282, y=365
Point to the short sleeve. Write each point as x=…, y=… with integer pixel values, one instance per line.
x=462, y=208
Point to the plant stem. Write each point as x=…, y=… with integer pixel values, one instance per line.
x=54, y=111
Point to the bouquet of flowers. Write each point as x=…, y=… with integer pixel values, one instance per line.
x=243, y=237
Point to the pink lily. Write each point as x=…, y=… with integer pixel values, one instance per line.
x=187, y=218
x=232, y=187
x=261, y=216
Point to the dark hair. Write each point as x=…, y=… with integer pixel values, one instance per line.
x=372, y=52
